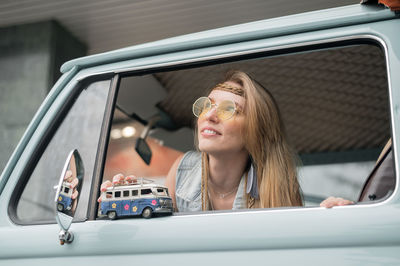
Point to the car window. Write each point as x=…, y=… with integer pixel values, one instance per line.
x=333, y=100
x=79, y=130
x=145, y=192
x=162, y=192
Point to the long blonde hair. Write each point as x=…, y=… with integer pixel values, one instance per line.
x=265, y=140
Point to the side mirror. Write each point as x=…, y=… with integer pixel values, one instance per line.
x=67, y=195
x=143, y=149
x=141, y=146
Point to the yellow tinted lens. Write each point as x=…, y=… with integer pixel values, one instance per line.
x=226, y=109
x=201, y=105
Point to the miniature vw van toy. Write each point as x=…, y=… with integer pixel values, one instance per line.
x=64, y=199
x=141, y=197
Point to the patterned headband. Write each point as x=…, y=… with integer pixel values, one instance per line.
x=226, y=87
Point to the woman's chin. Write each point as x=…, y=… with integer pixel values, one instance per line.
x=213, y=149
x=204, y=148
x=208, y=147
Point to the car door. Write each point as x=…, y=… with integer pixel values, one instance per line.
x=66, y=124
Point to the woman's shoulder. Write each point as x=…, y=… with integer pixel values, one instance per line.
x=188, y=168
x=188, y=182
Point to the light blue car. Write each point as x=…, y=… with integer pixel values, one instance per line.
x=336, y=76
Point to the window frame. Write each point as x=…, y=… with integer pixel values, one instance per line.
x=274, y=51
x=46, y=139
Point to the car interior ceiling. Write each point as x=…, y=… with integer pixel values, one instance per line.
x=331, y=100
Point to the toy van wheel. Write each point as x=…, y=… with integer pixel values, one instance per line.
x=60, y=207
x=147, y=213
x=112, y=215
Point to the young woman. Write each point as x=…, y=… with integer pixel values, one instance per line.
x=244, y=159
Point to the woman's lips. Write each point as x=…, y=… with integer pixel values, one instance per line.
x=209, y=132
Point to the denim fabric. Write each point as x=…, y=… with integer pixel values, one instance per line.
x=188, y=185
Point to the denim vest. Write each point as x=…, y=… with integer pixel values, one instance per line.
x=188, y=185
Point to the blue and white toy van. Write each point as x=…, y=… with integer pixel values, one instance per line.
x=64, y=199
x=137, y=198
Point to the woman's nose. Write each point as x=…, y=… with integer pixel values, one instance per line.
x=211, y=115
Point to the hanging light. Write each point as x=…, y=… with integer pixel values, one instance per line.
x=116, y=133
x=128, y=131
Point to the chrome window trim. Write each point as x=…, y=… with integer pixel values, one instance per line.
x=270, y=49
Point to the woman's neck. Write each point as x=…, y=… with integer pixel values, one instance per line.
x=226, y=170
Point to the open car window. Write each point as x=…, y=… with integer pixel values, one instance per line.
x=334, y=103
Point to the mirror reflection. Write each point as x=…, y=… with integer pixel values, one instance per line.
x=69, y=188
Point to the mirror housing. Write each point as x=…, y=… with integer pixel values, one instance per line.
x=67, y=194
x=143, y=149
x=141, y=146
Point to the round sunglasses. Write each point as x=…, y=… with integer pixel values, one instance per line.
x=225, y=109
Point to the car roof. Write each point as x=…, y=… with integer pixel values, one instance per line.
x=316, y=20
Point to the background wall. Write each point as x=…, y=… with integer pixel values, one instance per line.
x=30, y=58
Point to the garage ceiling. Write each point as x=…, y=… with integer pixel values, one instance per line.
x=110, y=24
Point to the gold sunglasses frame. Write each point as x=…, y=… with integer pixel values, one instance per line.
x=236, y=110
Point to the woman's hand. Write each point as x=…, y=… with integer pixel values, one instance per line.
x=118, y=179
x=332, y=201
x=73, y=181
x=70, y=181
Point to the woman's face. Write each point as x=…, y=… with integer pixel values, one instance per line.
x=221, y=136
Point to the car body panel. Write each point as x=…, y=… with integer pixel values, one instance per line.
x=274, y=230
